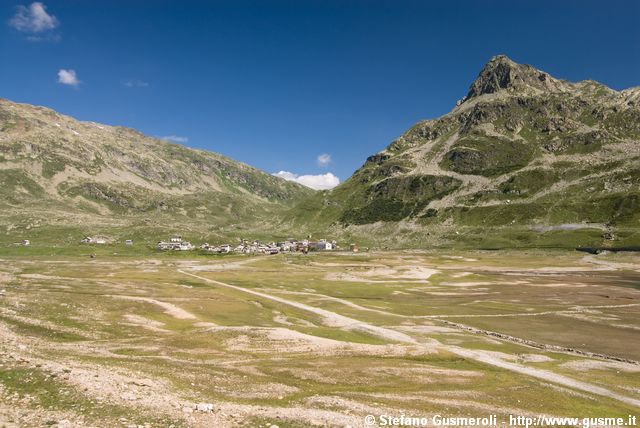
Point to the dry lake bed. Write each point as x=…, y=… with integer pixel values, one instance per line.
x=320, y=339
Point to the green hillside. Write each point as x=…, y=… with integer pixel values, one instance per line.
x=523, y=160
x=61, y=178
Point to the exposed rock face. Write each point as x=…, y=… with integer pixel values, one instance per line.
x=632, y=96
x=501, y=73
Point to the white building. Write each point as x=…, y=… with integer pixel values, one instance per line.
x=95, y=240
x=176, y=244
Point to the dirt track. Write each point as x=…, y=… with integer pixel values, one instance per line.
x=331, y=319
x=337, y=320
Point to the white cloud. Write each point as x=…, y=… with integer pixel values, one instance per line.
x=135, y=83
x=318, y=182
x=68, y=77
x=45, y=38
x=33, y=19
x=323, y=160
x=289, y=176
x=175, y=139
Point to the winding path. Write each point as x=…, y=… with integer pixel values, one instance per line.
x=330, y=319
x=337, y=320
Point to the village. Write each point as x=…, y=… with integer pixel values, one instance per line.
x=244, y=246
x=176, y=243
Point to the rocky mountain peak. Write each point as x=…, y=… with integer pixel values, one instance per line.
x=501, y=73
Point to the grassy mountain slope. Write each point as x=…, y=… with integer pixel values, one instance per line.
x=61, y=178
x=523, y=160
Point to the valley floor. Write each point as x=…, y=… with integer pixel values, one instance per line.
x=321, y=339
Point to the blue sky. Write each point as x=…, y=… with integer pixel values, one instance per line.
x=277, y=83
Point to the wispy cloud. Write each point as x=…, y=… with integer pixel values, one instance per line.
x=68, y=77
x=175, y=139
x=34, y=19
x=135, y=83
x=45, y=38
x=323, y=160
x=317, y=182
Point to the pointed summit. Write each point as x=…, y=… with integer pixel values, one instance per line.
x=501, y=73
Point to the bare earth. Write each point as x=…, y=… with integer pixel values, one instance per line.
x=318, y=340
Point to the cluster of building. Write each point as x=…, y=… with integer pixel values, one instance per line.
x=252, y=247
x=176, y=243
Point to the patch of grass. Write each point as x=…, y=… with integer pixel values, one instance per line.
x=394, y=199
x=14, y=183
x=483, y=155
x=46, y=392
x=51, y=165
x=42, y=331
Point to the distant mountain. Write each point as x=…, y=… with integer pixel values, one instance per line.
x=63, y=177
x=524, y=159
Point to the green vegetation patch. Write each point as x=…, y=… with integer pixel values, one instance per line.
x=51, y=165
x=117, y=198
x=397, y=198
x=624, y=123
x=14, y=182
x=528, y=182
x=380, y=167
x=424, y=132
x=578, y=143
x=488, y=156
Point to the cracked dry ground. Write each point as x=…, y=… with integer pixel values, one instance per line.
x=322, y=340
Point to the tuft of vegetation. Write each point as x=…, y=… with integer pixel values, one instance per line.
x=488, y=156
x=394, y=199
